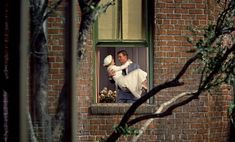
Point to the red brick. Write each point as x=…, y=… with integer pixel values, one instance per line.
x=196, y=11
x=189, y=6
x=167, y=10
x=174, y=16
x=167, y=1
x=167, y=26
x=181, y=11
x=174, y=32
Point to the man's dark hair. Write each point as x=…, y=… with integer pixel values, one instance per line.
x=123, y=52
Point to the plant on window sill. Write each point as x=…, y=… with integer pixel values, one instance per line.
x=107, y=96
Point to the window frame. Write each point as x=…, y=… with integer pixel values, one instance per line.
x=147, y=43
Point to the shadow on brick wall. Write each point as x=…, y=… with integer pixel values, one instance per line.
x=232, y=133
x=232, y=128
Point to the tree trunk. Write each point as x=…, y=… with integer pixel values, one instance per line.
x=39, y=80
x=39, y=70
x=40, y=64
x=58, y=121
x=88, y=18
x=32, y=137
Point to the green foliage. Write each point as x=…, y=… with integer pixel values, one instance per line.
x=212, y=49
x=231, y=107
x=126, y=130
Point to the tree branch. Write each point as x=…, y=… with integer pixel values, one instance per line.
x=187, y=64
x=160, y=109
x=104, y=8
x=44, y=8
x=217, y=67
x=173, y=83
x=194, y=95
x=53, y=8
x=156, y=89
x=219, y=27
x=168, y=111
x=219, y=30
x=89, y=15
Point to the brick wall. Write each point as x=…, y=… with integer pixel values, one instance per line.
x=55, y=28
x=218, y=120
x=204, y=119
x=188, y=123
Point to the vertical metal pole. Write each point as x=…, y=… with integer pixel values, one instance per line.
x=70, y=70
x=24, y=45
x=18, y=45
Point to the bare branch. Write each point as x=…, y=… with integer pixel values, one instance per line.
x=160, y=109
x=168, y=84
x=168, y=111
x=53, y=8
x=44, y=8
x=194, y=96
x=173, y=83
x=89, y=15
x=105, y=7
x=187, y=64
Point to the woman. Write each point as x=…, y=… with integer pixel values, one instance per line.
x=135, y=81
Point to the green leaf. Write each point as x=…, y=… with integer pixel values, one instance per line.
x=231, y=107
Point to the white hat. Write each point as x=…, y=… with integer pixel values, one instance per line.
x=107, y=60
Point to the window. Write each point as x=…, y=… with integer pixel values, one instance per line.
x=124, y=26
x=123, y=21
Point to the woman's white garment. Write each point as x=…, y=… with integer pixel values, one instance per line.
x=132, y=81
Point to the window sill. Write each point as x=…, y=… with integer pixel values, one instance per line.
x=119, y=109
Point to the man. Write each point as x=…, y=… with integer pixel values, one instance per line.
x=124, y=96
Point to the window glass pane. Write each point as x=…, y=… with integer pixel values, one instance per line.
x=137, y=55
x=133, y=24
x=108, y=23
x=123, y=21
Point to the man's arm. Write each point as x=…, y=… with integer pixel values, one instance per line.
x=132, y=67
x=124, y=66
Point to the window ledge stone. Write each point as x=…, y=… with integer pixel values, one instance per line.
x=119, y=109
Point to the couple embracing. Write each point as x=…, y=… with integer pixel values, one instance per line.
x=130, y=80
